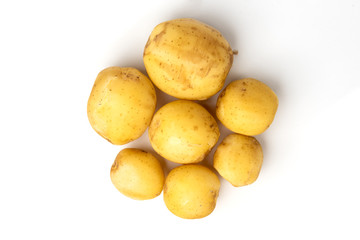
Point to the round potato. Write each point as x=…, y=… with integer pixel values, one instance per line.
x=247, y=106
x=238, y=159
x=191, y=191
x=121, y=104
x=137, y=174
x=183, y=132
x=187, y=59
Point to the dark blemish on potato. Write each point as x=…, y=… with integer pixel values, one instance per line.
x=158, y=36
x=222, y=94
x=110, y=89
x=142, y=151
x=243, y=89
x=212, y=125
x=196, y=128
x=115, y=165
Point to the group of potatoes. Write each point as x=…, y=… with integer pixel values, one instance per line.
x=189, y=60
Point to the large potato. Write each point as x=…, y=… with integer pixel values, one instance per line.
x=183, y=132
x=191, y=191
x=137, y=174
x=238, y=159
x=187, y=59
x=121, y=104
x=247, y=106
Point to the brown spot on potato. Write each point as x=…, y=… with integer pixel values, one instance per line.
x=222, y=94
x=114, y=165
x=196, y=128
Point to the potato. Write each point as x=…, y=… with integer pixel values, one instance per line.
x=121, y=104
x=187, y=59
x=191, y=191
x=137, y=174
x=183, y=132
x=238, y=159
x=247, y=106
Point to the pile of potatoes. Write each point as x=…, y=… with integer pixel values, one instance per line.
x=189, y=60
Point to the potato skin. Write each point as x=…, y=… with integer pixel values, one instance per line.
x=187, y=59
x=238, y=159
x=183, y=132
x=247, y=106
x=191, y=191
x=121, y=104
x=137, y=174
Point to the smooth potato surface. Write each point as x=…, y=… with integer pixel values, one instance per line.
x=238, y=159
x=247, y=106
x=187, y=59
x=121, y=104
x=191, y=191
x=183, y=132
x=137, y=174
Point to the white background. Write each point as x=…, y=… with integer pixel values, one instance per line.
x=54, y=169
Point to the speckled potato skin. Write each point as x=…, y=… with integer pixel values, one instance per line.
x=247, y=106
x=191, y=191
x=137, y=174
x=238, y=159
x=183, y=132
x=121, y=104
x=187, y=59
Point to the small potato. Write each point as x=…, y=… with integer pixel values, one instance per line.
x=183, y=132
x=187, y=59
x=137, y=174
x=191, y=191
x=247, y=106
x=121, y=104
x=238, y=159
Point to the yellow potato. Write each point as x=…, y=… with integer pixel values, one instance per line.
x=137, y=174
x=183, y=132
x=247, y=106
x=121, y=104
x=238, y=159
x=191, y=191
x=187, y=59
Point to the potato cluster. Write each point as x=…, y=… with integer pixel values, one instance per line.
x=189, y=60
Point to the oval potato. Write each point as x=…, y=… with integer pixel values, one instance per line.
x=191, y=191
x=183, y=132
x=137, y=174
x=187, y=59
x=121, y=104
x=247, y=106
x=238, y=159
